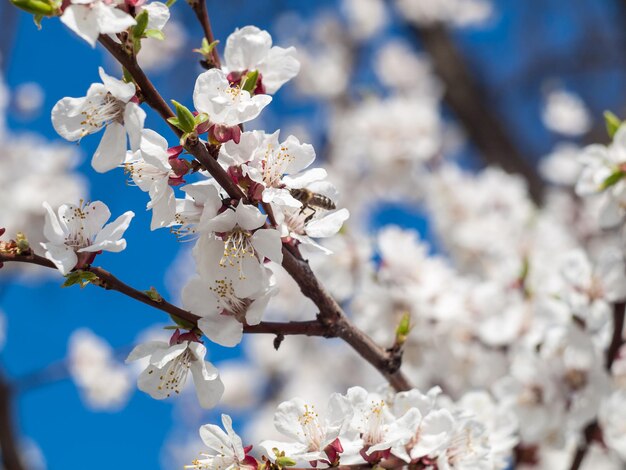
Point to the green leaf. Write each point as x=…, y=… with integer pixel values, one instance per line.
x=612, y=179
x=37, y=19
x=200, y=118
x=155, y=34
x=154, y=295
x=174, y=122
x=612, y=123
x=403, y=329
x=79, y=277
x=206, y=48
x=186, y=119
x=184, y=324
x=250, y=82
x=170, y=3
x=142, y=24
x=285, y=462
x=36, y=7
x=127, y=77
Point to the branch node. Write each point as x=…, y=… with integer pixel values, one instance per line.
x=278, y=340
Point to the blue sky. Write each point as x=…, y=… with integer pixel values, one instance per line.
x=41, y=316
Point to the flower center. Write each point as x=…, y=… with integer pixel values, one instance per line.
x=173, y=378
x=275, y=164
x=311, y=427
x=232, y=305
x=375, y=429
x=100, y=111
x=237, y=246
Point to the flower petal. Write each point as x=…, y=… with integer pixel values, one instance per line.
x=268, y=244
x=118, y=88
x=112, y=149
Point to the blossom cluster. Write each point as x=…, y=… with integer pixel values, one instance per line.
x=518, y=303
x=359, y=427
x=234, y=239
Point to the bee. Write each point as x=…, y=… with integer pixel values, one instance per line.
x=312, y=201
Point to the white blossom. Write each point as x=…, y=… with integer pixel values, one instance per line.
x=90, y=18
x=75, y=234
x=250, y=48
x=169, y=365
x=109, y=105
x=225, y=104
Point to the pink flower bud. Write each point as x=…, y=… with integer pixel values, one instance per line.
x=333, y=450
x=174, y=152
x=221, y=134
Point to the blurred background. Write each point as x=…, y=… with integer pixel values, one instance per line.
x=510, y=83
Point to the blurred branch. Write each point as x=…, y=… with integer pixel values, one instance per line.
x=8, y=441
x=470, y=103
x=592, y=431
x=8, y=28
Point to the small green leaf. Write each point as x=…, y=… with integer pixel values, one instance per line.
x=127, y=77
x=174, y=122
x=200, y=118
x=184, y=324
x=37, y=19
x=285, y=462
x=612, y=123
x=36, y=7
x=403, y=329
x=186, y=120
x=154, y=295
x=79, y=277
x=155, y=34
x=142, y=24
x=22, y=242
x=612, y=179
x=170, y=3
x=250, y=82
x=206, y=48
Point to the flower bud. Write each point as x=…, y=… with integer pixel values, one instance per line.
x=22, y=243
x=219, y=134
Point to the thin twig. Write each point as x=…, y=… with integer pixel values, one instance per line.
x=200, y=9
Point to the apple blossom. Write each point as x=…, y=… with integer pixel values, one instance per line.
x=225, y=104
x=222, y=313
x=108, y=104
x=151, y=169
x=76, y=234
x=250, y=49
x=169, y=365
x=90, y=18
x=240, y=243
x=314, y=437
x=227, y=451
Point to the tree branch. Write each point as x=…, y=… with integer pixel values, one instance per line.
x=200, y=9
x=333, y=323
x=331, y=315
x=592, y=431
x=8, y=441
x=468, y=100
x=110, y=282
